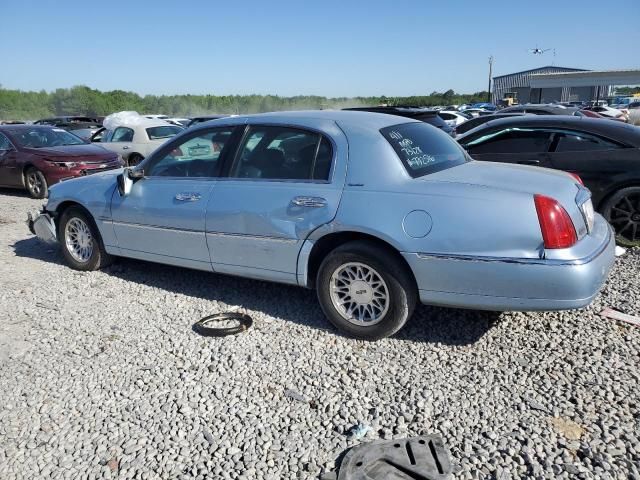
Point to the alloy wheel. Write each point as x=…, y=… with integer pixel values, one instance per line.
x=359, y=294
x=625, y=217
x=78, y=240
x=34, y=182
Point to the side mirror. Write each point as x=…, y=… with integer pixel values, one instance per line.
x=126, y=180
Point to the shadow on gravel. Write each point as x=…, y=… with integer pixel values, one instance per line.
x=428, y=324
x=14, y=192
x=33, y=248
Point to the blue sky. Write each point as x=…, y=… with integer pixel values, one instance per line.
x=288, y=47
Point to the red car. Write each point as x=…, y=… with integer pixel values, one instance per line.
x=35, y=157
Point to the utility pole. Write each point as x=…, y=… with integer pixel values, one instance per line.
x=490, y=72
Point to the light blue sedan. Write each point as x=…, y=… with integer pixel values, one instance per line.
x=374, y=211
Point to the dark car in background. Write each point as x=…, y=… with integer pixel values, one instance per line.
x=417, y=113
x=477, y=121
x=34, y=157
x=541, y=109
x=205, y=118
x=83, y=127
x=604, y=154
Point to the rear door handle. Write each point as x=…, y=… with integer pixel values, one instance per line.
x=125, y=148
x=188, y=197
x=314, y=202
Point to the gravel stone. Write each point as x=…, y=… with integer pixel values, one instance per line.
x=101, y=376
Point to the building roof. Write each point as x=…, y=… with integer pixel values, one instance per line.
x=540, y=69
x=587, y=78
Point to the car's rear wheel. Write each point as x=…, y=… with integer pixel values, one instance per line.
x=36, y=183
x=80, y=241
x=365, y=291
x=622, y=211
x=134, y=159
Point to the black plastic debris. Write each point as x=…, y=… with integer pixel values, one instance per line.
x=416, y=458
x=208, y=326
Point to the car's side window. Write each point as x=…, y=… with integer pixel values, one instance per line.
x=513, y=140
x=581, y=142
x=198, y=155
x=283, y=153
x=5, y=144
x=122, y=134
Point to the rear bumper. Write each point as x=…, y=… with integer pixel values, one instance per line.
x=513, y=284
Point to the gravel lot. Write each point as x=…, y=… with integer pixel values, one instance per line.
x=101, y=376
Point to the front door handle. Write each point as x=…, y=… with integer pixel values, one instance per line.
x=188, y=197
x=314, y=202
x=529, y=162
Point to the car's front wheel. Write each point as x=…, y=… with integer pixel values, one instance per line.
x=36, y=183
x=365, y=291
x=80, y=241
x=622, y=211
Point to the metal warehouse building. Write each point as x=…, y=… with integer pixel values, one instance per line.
x=530, y=89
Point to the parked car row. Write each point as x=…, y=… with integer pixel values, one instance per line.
x=604, y=154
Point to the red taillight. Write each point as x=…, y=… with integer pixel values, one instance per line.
x=577, y=177
x=556, y=225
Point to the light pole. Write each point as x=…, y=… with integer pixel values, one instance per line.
x=490, y=71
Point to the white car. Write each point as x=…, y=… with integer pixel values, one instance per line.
x=133, y=142
x=610, y=112
x=453, y=118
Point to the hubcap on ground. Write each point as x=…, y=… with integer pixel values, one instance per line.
x=625, y=217
x=78, y=240
x=359, y=294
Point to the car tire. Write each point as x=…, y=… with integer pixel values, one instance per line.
x=622, y=211
x=134, y=159
x=80, y=241
x=35, y=183
x=383, y=288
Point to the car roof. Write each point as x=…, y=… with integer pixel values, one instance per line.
x=354, y=118
x=22, y=126
x=606, y=127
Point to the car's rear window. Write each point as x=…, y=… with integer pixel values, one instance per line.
x=424, y=149
x=156, y=133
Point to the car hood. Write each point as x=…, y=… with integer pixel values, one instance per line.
x=94, y=152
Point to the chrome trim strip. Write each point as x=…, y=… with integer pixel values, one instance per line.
x=157, y=227
x=521, y=261
x=256, y=237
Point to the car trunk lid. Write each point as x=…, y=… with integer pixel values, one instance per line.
x=522, y=178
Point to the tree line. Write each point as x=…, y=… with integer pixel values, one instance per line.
x=82, y=100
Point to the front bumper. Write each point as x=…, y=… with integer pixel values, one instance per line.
x=60, y=174
x=42, y=225
x=514, y=284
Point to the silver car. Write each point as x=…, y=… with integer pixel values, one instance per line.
x=374, y=211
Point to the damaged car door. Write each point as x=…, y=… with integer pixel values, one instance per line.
x=284, y=182
x=163, y=216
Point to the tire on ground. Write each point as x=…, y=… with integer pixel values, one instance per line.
x=622, y=233
x=99, y=257
x=400, y=283
x=36, y=183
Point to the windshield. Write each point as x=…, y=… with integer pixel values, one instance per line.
x=167, y=131
x=45, y=137
x=424, y=149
